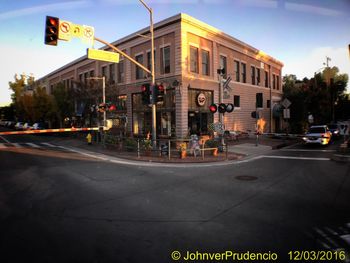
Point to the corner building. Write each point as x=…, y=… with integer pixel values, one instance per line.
x=188, y=54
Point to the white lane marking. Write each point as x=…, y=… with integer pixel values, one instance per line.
x=17, y=145
x=48, y=144
x=306, y=150
x=2, y=146
x=33, y=145
x=295, y=158
x=3, y=138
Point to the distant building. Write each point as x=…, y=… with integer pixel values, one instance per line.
x=188, y=54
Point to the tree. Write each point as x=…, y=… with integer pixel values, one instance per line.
x=21, y=102
x=323, y=96
x=63, y=103
x=43, y=105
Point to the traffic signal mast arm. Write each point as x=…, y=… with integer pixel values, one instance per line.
x=123, y=54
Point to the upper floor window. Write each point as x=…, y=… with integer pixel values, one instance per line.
x=86, y=75
x=266, y=79
x=120, y=76
x=205, y=63
x=139, y=71
x=273, y=81
x=244, y=72
x=104, y=71
x=223, y=65
x=252, y=73
x=258, y=76
x=149, y=60
x=112, y=73
x=236, y=62
x=237, y=101
x=193, y=59
x=165, y=60
x=277, y=82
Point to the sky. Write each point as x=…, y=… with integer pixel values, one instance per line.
x=300, y=33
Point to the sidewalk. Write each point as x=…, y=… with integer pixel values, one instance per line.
x=237, y=150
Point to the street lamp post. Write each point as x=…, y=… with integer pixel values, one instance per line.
x=154, y=108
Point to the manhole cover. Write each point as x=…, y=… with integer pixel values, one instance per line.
x=246, y=177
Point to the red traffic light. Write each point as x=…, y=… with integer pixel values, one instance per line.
x=112, y=108
x=160, y=87
x=213, y=108
x=52, y=21
x=51, y=30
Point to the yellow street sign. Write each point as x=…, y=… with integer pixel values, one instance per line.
x=88, y=34
x=65, y=30
x=77, y=30
x=103, y=55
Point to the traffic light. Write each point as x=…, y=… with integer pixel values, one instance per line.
x=230, y=107
x=222, y=108
x=112, y=107
x=159, y=93
x=213, y=108
x=145, y=93
x=51, y=30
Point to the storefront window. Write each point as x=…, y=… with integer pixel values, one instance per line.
x=142, y=116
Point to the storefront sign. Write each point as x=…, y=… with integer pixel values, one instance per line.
x=201, y=99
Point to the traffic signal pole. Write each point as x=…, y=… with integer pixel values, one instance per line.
x=153, y=84
x=154, y=109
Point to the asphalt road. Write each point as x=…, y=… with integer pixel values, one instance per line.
x=62, y=206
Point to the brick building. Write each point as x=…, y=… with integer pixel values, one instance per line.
x=188, y=54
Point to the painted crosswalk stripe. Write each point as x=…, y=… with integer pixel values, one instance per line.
x=17, y=145
x=2, y=146
x=48, y=144
x=33, y=145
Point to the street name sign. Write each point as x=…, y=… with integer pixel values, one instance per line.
x=103, y=55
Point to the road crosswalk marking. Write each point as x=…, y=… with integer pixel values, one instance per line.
x=26, y=145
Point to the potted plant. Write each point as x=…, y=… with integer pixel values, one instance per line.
x=183, y=150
